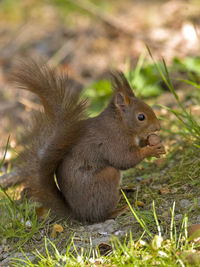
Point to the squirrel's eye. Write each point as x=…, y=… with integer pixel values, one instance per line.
x=141, y=117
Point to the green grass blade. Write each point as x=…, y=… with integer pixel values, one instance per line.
x=190, y=82
x=141, y=222
x=6, y=149
x=172, y=222
x=139, y=65
x=156, y=219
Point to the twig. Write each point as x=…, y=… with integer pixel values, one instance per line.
x=11, y=179
x=9, y=48
x=106, y=18
x=61, y=53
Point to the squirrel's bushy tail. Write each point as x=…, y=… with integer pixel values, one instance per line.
x=54, y=131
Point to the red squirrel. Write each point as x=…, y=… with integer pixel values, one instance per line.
x=85, y=154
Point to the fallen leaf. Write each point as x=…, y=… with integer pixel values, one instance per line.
x=139, y=204
x=147, y=181
x=57, y=228
x=164, y=191
x=129, y=188
x=104, y=248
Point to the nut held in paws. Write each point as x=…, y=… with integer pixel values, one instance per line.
x=153, y=140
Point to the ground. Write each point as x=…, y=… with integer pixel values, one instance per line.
x=87, y=41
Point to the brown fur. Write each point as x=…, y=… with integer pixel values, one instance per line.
x=86, y=154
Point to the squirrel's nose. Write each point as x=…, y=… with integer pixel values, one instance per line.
x=155, y=127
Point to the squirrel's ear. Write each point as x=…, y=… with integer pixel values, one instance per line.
x=121, y=101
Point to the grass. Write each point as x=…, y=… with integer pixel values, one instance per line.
x=152, y=79
x=185, y=118
x=18, y=220
x=171, y=251
x=162, y=242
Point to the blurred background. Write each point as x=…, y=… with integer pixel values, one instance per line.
x=87, y=38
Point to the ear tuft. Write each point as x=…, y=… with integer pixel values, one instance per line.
x=120, y=84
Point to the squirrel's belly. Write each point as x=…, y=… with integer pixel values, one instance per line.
x=91, y=197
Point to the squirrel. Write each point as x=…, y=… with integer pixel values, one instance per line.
x=84, y=154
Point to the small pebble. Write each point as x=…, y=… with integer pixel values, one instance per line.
x=178, y=217
x=120, y=233
x=28, y=224
x=4, y=256
x=165, y=214
x=185, y=203
x=198, y=219
x=103, y=233
x=156, y=186
x=174, y=190
x=184, y=187
x=139, y=178
x=106, y=227
x=81, y=228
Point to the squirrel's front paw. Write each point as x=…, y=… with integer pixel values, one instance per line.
x=153, y=151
